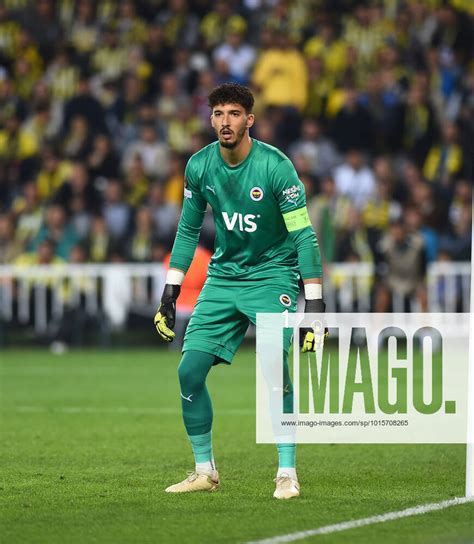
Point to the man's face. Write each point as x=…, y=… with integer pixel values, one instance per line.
x=230, y=121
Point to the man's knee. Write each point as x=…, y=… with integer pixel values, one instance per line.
x=191, y=378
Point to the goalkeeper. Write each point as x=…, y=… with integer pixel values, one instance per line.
x=264, y=242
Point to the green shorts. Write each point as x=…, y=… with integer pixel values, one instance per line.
x=225, y=309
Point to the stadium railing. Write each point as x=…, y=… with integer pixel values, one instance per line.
x=35, y=296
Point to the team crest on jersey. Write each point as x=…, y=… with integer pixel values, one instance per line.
x=285, y=300
x=256, y=194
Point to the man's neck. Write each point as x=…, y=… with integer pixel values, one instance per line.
x=238, y=154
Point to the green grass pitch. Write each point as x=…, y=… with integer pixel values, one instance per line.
x=89, y=440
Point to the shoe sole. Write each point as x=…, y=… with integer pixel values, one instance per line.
x=213, y=489
x=285, y=498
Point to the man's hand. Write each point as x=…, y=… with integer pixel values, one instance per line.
x=311, y=338
x=166, y=314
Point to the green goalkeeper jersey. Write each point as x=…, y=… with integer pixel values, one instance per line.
x=259, y=207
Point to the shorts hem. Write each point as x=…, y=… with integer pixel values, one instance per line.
x=223, y=354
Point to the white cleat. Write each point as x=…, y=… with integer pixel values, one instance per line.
x=286, y=487
x=196, y=482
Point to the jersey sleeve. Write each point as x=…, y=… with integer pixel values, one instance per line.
x=291, y=198
x=190, y=222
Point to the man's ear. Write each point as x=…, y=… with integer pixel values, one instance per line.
x=250, y=120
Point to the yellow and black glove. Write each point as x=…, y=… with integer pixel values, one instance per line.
x=166, y=314
x=313, y=337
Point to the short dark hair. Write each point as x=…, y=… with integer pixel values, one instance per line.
x=232, y=93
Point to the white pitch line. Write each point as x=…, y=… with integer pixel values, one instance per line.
x=353, y=524
x=114, y=410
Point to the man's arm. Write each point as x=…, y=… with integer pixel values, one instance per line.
x=185, y=243
x=292, y=201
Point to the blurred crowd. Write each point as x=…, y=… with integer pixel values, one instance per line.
x=102, y=102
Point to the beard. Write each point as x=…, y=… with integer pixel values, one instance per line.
x=233, y=144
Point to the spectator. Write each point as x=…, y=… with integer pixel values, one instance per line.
x=124, y=109
x=9, y=31
x=216, y=24
x=331, y=49
x=18, y=150
x=281, y=75
x=353, y=242
x=414, y=224
x=28, y=213
x=84, y=104
x=174, y=183
x=102, y=161
x=84, y=31
x=116, y=211
x=381, y=209
x=179, y=25
x=418, y=122
x=62, y=75
x=131, y=28
x=172, y=97
x=234, y=58
x=355, y=179
x=329, y=214
x=444, y=160
x=461, y=199
x=318, y=150
x=110, y=59
x=434, y=211
x=352, y=126
x=77, y=142
x=9, y=245
x=136, y=182
x=158, y=53
x=206, y=82
x=403, y=271
x=53, y=172
x=99, y=241
x=320, y=85
x=58, y=229
x=78, y=185
x=458, y=240
x=43, y=25
x=364, y=31
x=44, y=254
x=164, y=213
x=182, y=127
x=152, y=151
x=139, y=245
x=28, y=68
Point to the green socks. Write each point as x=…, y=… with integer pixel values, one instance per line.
x=286, y=455
x=202, y=447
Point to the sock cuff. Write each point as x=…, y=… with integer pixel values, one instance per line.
x=200, y=439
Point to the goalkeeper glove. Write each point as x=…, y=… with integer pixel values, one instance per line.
x=311, y=338
x=166, y=315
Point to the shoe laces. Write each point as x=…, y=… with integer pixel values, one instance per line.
x=284, y=480
x=192, y=475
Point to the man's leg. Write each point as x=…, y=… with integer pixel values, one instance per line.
x=287, y=452
x=197, y=415
x=276, y=298
x=197, y=406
